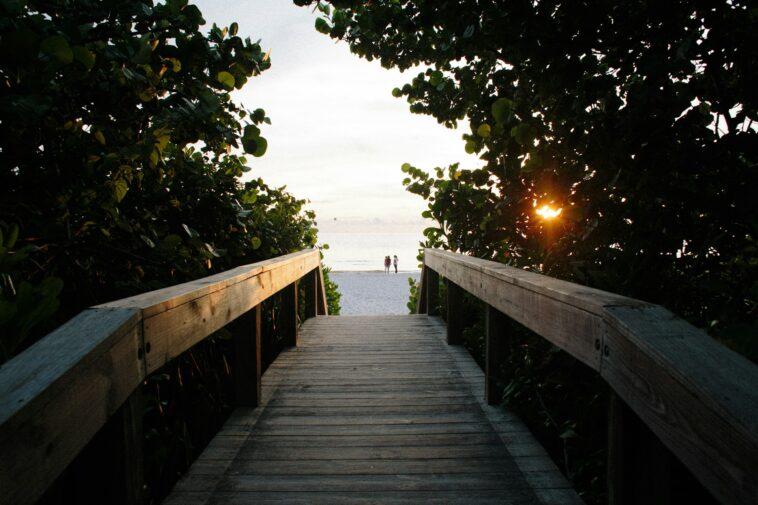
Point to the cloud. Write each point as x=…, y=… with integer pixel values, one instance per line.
x=338, y=137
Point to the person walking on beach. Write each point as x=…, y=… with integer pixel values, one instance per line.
x=394, y=262
x=387, y=263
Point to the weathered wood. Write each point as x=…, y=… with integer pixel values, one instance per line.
x=496, y=324
x=178, y=317
x=127, y=485
x=310, y=288
x=697, y=396
x=432, y=282
x=639, y=470
x=454, y=313
x=322, y=304
x=247, y=358
x=58, y=393
x=377, y=427
x=422, y=288
x=288, y=323
x=540, y=303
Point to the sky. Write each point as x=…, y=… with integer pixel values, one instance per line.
x=338, y=137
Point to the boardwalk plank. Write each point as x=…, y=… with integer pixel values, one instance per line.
x=375, y=409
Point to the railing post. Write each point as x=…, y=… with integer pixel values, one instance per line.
x=639, y=466
x=454, y=313
x=422, y=288
x=110, y=469
x=310, y=285
x=247, y=352
x=432, y=291
x=288, y=315
x=129, y=418
x=322, y=307
x=496, y=323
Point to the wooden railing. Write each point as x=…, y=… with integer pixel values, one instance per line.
x=699, y=398
x=56, y=395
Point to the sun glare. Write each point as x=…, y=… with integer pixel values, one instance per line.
x=548, y=212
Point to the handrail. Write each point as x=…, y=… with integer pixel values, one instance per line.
x=697, y=396
x=59, y=392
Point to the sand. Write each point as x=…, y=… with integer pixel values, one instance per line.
x=373, y=292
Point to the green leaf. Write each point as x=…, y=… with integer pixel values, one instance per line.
x=190, y=231
x=226, y=79
x=322, y=26
x=146, y=240
x=502, y=109
x=397, y=92
x=212, y=250
x=255, y=242
x=484, y=130
x=12, y=237
x=84, y=56
x=405, y=167
x=522, y=133
x=120, y=188
x=171, y=241
x=261, y=146
x=252, y=141
x=435, y=78
x=176, y=64
x=233, y=29
x=470, y=147
x=57, y=48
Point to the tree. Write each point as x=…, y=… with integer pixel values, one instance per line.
x=118, y=143
x=633, y=121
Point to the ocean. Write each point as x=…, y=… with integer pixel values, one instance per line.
x=366, y=251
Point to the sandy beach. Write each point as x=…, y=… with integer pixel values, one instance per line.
x=373, y=292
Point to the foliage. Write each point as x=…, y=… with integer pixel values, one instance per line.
x=122, y=154
x=414, y=288
x=636, y=120
x=117, y=138
x=333, y=294
x=25, y=306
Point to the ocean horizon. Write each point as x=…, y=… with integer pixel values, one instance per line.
x=365, y=251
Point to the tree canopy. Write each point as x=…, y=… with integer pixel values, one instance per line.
x=120, y=143
x=634, y=120
x=617, y=150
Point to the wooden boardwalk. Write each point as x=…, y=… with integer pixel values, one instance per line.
x=373, y=409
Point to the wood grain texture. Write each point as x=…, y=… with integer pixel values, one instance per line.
x=247, y=334
x=322, y=304
x=421, y=302
x=310, y=289
x=58, y=393
x=432, y=289
x=697, y=396
x=495, y=340
x=350, y=418
x=454, y=303
x=178, y=317
x=559, y=311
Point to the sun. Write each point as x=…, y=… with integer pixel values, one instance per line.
x=548, y=212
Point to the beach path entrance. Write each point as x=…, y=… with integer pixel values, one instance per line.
x=373, y=409
x=377, y=408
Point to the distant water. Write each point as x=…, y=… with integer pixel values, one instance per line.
x=366, y=251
